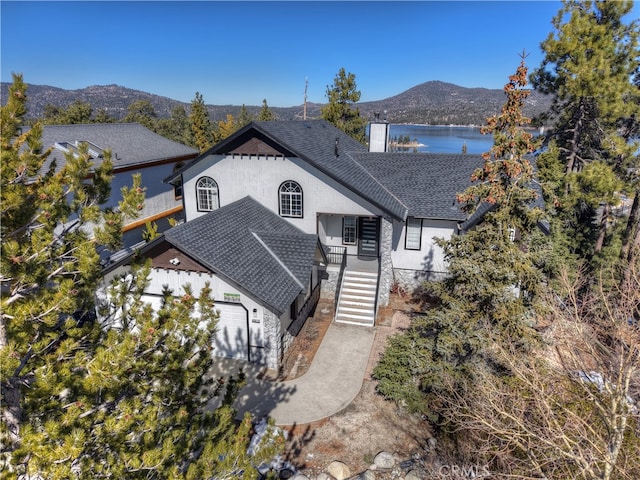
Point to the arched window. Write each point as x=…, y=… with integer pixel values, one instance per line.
x=207, y=194
x=290, y=199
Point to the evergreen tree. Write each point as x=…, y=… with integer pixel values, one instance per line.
x=265, y=115
x=176, y=127
x=142, y=112
x=201, y=131
x=122, y=396
x=226, y=127
x=244, y=118
x=76, y=113
x=494, y=277
x=341, y=110
x=589, y=62
x=102, y=116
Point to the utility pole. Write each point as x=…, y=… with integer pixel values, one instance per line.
x=306, y=86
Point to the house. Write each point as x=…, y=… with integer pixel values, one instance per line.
x=264, y=274
x=282, y=213
x=134, y=149
x=377, y=212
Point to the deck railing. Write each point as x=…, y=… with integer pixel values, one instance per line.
x=337, y=255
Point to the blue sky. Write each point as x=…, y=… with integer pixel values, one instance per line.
x=242, y=52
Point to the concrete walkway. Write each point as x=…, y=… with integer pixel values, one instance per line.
x=330, y=384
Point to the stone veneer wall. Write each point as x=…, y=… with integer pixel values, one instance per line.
x=273, y=346
x=386, y=265
x=414, y=279
x=330, y=284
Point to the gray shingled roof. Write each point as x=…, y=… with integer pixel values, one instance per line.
x=427, y=183
x=315, y=142
x=131, y=144
x=252, y=247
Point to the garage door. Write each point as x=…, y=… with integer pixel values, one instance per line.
x=232, y=336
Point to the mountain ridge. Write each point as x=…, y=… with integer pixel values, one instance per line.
x=433, y=102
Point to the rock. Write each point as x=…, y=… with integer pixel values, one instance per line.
x=432, y=443
x=324, y=476
x=366, y=475
x=300, y=476
x=338, y=470
x=413, y=475
x=384, y=460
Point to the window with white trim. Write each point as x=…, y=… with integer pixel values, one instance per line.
x=207, y=194
x=290, y=199
x=413, y=234
x=349, y=231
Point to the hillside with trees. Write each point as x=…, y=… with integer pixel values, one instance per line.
x=431, y=102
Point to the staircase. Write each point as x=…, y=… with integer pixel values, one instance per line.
x=357, y=300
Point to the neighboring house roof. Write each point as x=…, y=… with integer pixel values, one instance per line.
x=250, y=246
x=427, y=183
x=323, y=146
x=131, y=144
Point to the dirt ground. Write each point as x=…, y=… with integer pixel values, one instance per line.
x=370, y=424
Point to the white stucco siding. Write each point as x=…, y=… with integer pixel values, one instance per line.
x=330, y=230
x=261, y=177
x=221, y=291
x=430, y=256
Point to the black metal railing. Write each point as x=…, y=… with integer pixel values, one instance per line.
x=343, y=267
x=337, y=255
x=310, y=304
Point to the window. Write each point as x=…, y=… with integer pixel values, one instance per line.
x=207, y=194
x=290, y=199
x=177, y=187
x=349, y=231
x=414, y=234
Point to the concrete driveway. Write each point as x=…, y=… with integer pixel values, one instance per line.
x=330, y=384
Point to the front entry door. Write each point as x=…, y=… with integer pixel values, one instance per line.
x=367, y=237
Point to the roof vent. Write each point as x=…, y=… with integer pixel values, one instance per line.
x=337, y=153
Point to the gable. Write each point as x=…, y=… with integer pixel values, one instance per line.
x=257, y=146
x=166, y=256
x=252, y=248
x=317, y=143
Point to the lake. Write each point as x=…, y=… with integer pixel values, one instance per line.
x=443, y=139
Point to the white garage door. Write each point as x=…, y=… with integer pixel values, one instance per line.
x=232, y=336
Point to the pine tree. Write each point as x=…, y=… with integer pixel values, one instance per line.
x=142, y=112
x=589, y=62
x=75, y=113
x=201, y=131
x=494, y=277
x=266, y=115
x=176, y=127
x=341, y=110
x=123, y=395
x=226, y=128
x=244, y=118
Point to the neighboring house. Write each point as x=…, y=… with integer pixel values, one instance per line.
x=377, y=212
x=134, y=149
x=264, y=274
